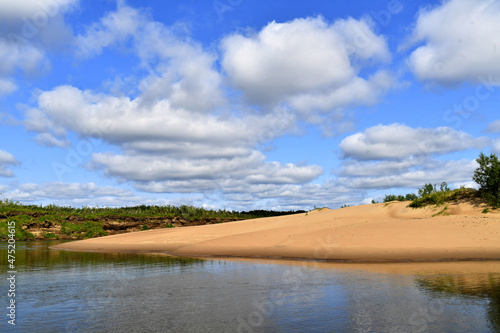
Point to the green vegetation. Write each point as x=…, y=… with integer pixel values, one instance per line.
x=400, y=197
x=442, y=212
x=253, y=214
x=79, y=223
x=487, y=175
x=485, y=211
x=442, y=196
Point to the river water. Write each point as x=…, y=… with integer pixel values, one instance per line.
x=60, y=291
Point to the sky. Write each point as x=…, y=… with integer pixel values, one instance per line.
x=240, y=105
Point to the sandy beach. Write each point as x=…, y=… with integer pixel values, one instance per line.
x=376, y=232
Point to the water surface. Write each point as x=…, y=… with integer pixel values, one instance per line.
x=60, y=291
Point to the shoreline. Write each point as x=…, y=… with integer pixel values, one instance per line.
x=292, y=259
x=368, y=233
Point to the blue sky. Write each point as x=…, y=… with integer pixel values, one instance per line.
x=242, y=104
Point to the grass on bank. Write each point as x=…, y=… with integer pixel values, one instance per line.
x=447, y=196
x=90, y=220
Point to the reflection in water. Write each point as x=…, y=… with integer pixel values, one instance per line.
x=62, y=291
x=472, y=285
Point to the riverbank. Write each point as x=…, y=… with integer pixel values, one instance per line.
x=376, y=232
x=33, y=222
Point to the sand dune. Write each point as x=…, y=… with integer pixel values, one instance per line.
x=377, y=232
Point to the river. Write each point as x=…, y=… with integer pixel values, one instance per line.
x=61, y=291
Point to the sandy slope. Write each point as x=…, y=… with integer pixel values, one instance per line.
x=366, y=233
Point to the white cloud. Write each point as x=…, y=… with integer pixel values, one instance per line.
x=7, y=160
x=251, y=168
x=494, y=127
x=178, y=133
x=59, y=190
x=408, y=173
x=179, y=69
x=30, y=28
x=398, y=156
x=113, y=28
x=379, y=168
x=82, y=194
x=461, y=42
x=400, y=141
x=48, y=140
x=158, y=127
x=34, y=8
x=307, y=64
x=161, y=143
x=495, y=149
x=20, y=55
x=7, y=86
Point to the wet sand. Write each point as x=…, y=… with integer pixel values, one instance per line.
x=368, y=233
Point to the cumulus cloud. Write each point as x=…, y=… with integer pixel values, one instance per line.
x=7, y=160
x=30, y=28
x=399, y=141
x=406, y=173
x=82, y=194
x=60, y=190
x=158, y=127
x=460, y=42
x=24, y=56
x=113, y=28
x=178, y=132
x=179, y=69
x=34, y=8
x=48, y=140
x=495, y=149
x=7, y=86
x=162, y=144
x=494, y=127
x=398, y=156
x=308, y=64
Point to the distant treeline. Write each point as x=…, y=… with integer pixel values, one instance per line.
x=88, y=222
x=268, y=213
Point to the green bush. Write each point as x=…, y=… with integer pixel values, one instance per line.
x=390, y=197
x=410, y=197
x=487, y=176
x=399, y=197
x=440, y=197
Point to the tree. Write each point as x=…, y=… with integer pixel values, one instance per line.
x=411, y=197
x=426, y=190
x=487, y=176
x=444, y=187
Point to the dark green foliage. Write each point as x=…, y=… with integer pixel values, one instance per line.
x=487, y=175
x=399, y=197
x=426, y=190
x=269, y=213
x=87, y=222
x=440, y=197
x=344, y=206
x=390, y=197
x=444, y=187
x=410, y=197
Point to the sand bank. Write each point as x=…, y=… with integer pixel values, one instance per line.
x=377, y=232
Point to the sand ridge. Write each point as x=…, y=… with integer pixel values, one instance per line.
x=376, y=232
